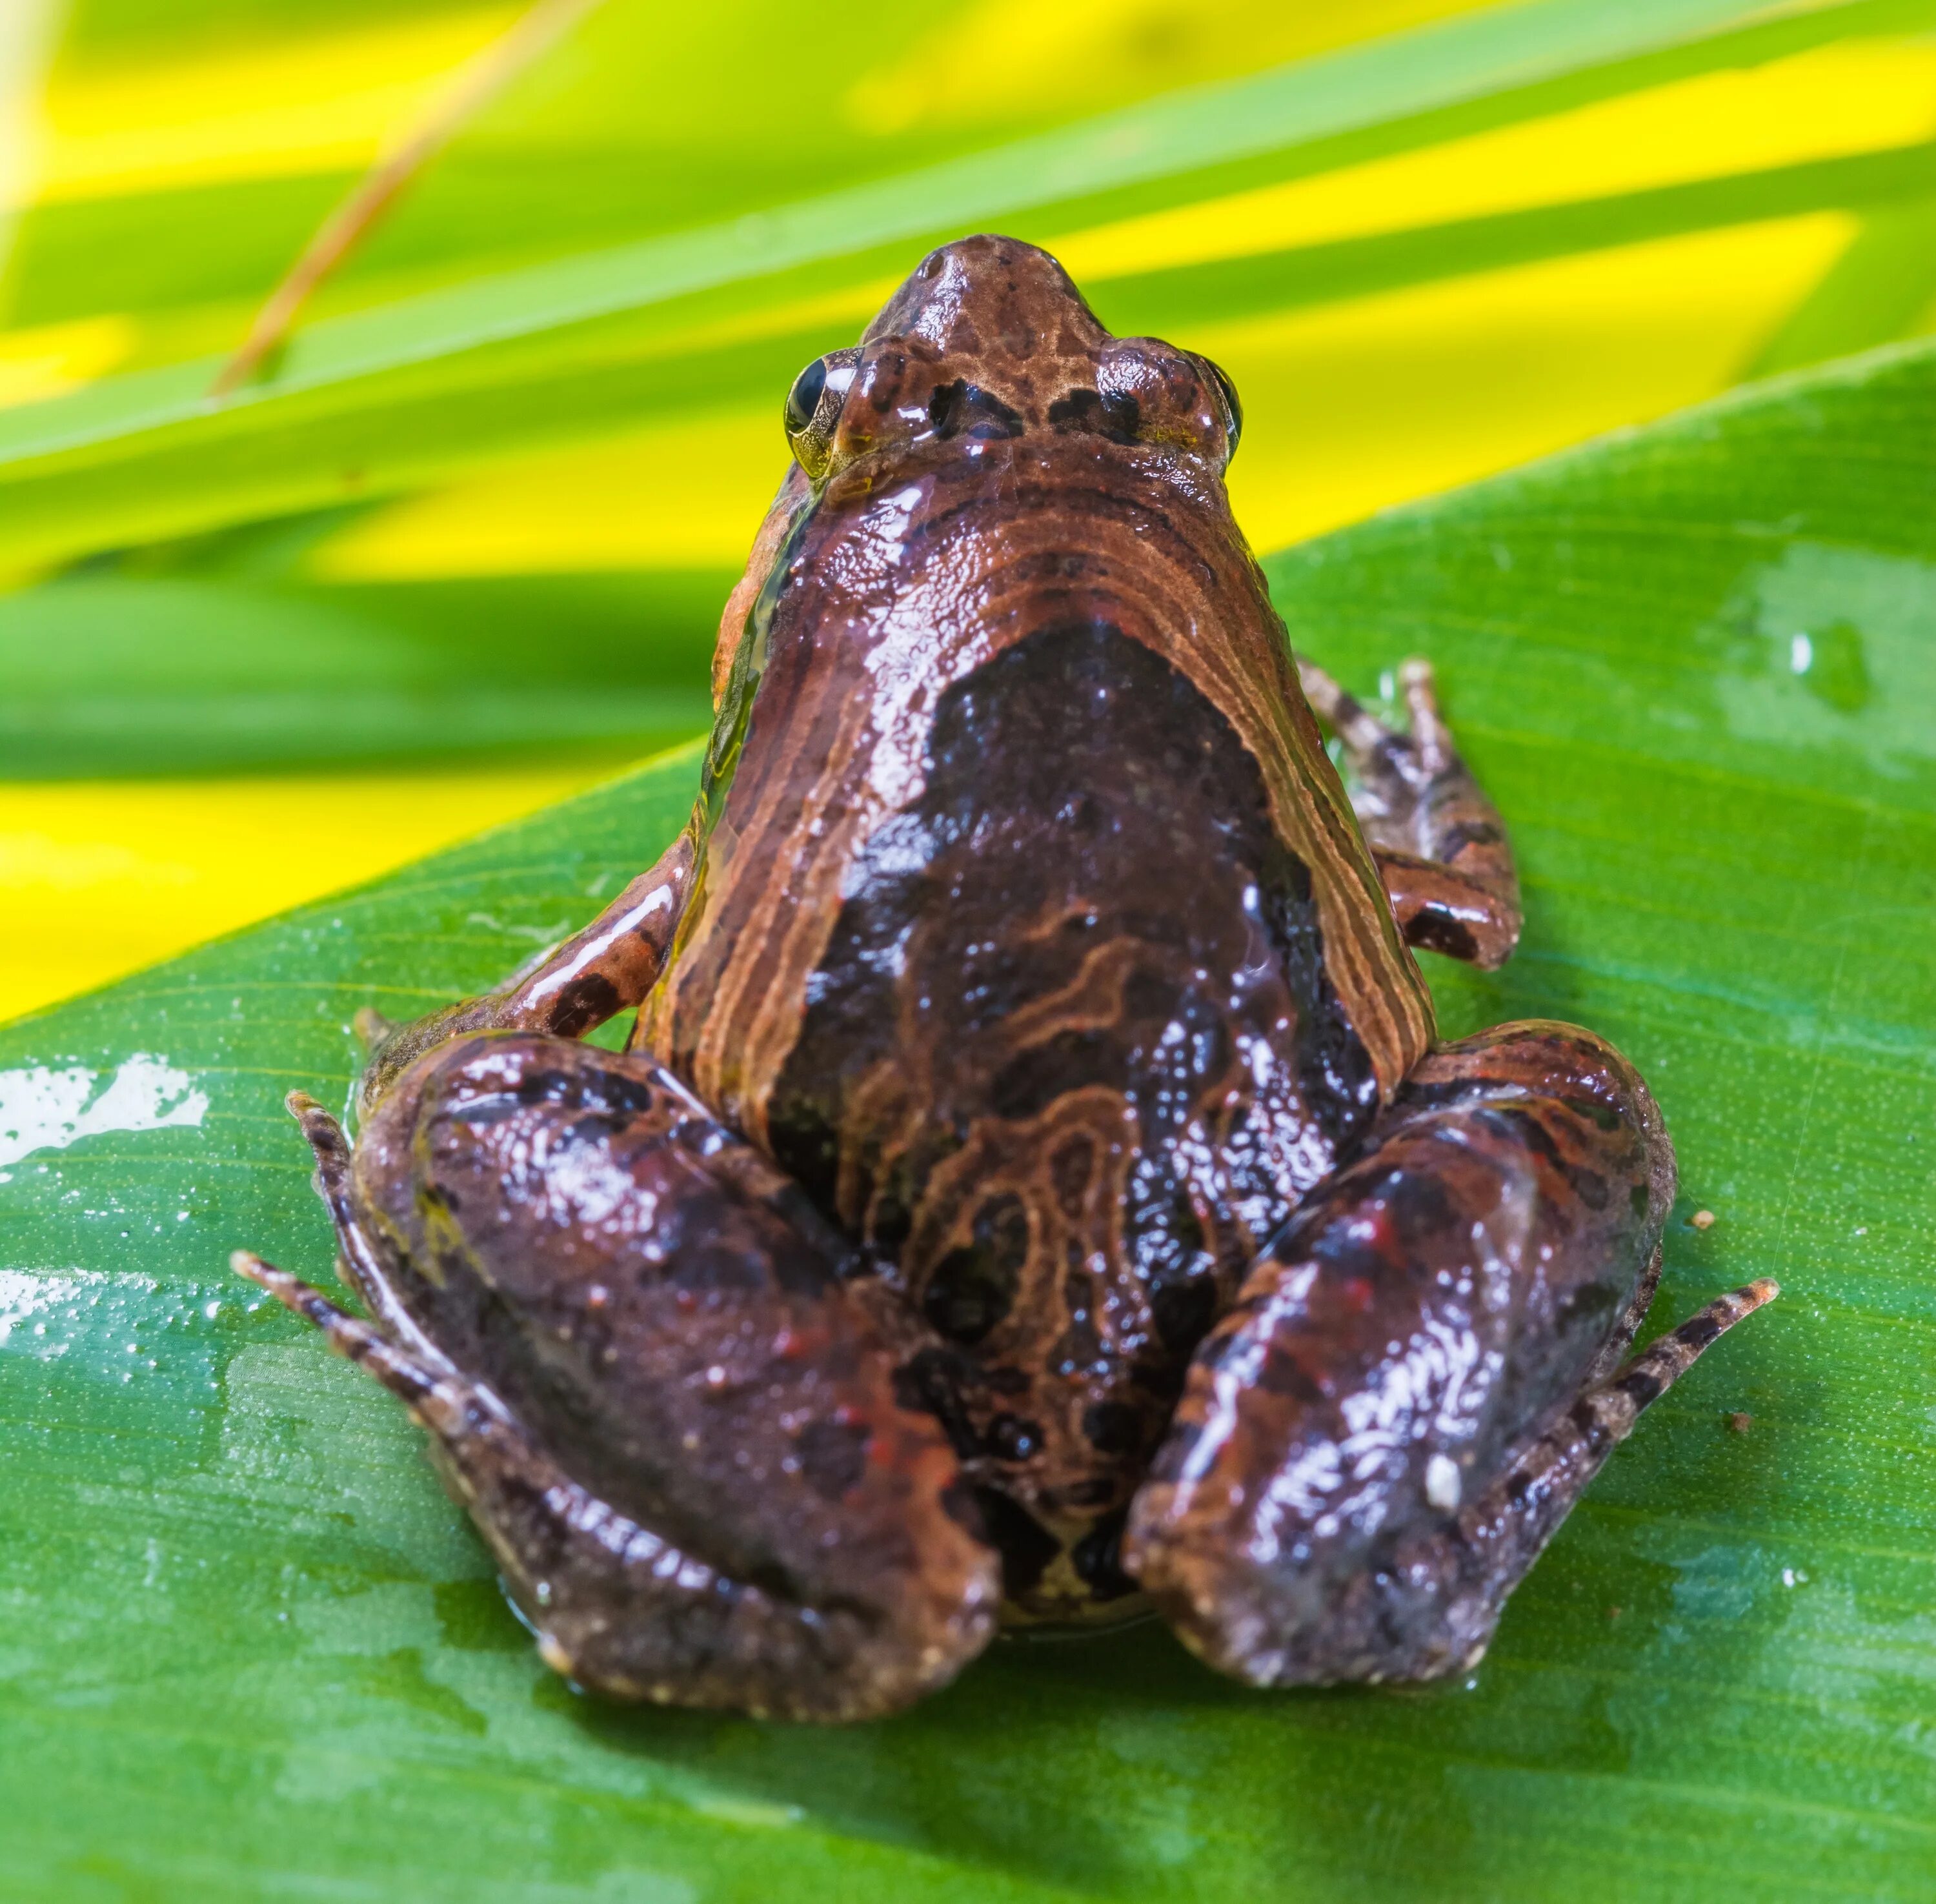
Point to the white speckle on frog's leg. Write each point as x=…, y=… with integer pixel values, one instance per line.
x=1441, y=1483
x=45, y=1110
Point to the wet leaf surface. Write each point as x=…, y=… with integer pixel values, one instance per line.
x=248, y=1649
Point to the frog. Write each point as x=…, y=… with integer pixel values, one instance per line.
x=1033, y=1192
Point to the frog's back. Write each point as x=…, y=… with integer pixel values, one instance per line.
x=1034, y=934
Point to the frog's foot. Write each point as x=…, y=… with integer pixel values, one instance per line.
x=1440, y=845
x=570, y=990
x=1417, y=1381
x=654, y=1384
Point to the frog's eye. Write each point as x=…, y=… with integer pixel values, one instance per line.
x=803, y=399
x=813, y=408
x=1233, y=410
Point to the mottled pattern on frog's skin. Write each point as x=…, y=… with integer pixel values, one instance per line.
x=1013, y=670
x=1034, y=1179
x=953, y=525
x=1070, y=1059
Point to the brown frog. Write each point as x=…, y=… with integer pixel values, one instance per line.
x=1034, y=1188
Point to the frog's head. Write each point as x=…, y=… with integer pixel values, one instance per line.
x=988, y=340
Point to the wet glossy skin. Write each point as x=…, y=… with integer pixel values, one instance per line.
x=1010, y=654
x=1033, y=1179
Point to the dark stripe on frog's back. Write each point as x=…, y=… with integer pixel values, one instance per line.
x=1039, y=531
x=1042, y=946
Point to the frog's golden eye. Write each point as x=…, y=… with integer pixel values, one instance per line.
x=813, y=408
x=1233, y=410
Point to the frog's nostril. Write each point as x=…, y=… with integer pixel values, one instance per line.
x=964, y=409
x=1117, y=415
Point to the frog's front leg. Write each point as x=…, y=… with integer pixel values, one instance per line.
x=1440, y=845
x=657, y=1382
x=603, y=969
x=1418, y=1378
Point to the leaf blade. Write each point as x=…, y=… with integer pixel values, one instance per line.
x=1714, y=1681
x=131, y=444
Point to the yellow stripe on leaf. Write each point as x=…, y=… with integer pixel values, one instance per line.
x=1355, y=406
x=320, y=104
x=1863, y=97
x=112, y=876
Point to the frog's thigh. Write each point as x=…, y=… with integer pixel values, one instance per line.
x=648, y=1381
x=1413, y=1387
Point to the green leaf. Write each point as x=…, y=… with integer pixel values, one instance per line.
x=1896, y=182
x=372, y=401
x=250, y=1651
x=147, y=666
x=1874, y=293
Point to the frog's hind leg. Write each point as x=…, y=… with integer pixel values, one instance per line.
x=1488, y=1549
x=625, y=1580
x=360, y=1265
x=669, y=1396
x=1418, y=1379
x=1441, y=847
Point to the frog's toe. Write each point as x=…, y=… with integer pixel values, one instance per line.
x=430, y=1391
x=1380, y=756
